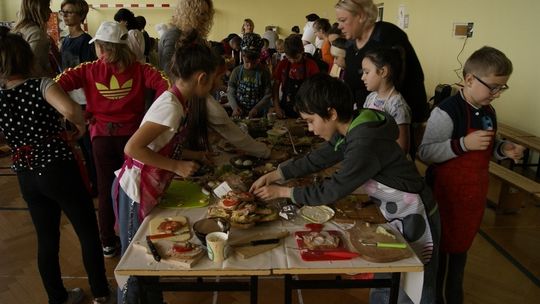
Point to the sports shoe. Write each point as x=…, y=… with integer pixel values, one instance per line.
x=75, y=295
x=110, y=251
x=110, y=299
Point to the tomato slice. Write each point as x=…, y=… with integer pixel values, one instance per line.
x=229, y=202
x=178, y=248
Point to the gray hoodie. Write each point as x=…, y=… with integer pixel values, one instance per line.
x=368, y=151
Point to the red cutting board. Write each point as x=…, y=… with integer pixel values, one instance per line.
x=318, y=255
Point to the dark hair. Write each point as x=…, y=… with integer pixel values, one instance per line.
x=230, y=36
x=321, y=92
x=340, y=43
x=16, y=56
x=124, y=14
x=488, y=60
x=295, y=29
x=192, y=54
x=141, y=22
x=251, y=45
x=312, y=17
x=81, y=6
x=334, y=29
x=197, y=124
x=322, y=24
x=293, y=45
x=390, y=57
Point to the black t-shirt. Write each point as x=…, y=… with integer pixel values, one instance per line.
x=75, y=51
x=389, y=35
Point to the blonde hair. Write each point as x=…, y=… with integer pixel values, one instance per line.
x=357, y=7
x=33, y=12
x=117, y=53
x=194, y=15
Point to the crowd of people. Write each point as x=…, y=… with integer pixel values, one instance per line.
x=141, y=119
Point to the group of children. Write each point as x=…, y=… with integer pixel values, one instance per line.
x=137, y=151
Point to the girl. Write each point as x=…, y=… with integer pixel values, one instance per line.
x=339, y=52
x=364, y=144
x=48, y=175
x=32, y=25
x=250, y=89
x=153, y=153
x=322, y=27
x=247, y=27
x=381, y=73
x=114, y=87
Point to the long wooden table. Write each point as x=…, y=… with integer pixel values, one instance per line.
x=283, y=260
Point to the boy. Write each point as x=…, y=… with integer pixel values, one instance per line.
x=365, y=143
x=459, y=141
x=250, y=91
x=290, y=74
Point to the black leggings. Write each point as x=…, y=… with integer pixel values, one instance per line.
x=49, y=191
x=450, y=277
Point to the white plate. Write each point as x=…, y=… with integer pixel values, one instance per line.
x=317, y=214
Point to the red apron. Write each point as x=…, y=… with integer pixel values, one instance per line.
x=154, y=181
x=460, y=189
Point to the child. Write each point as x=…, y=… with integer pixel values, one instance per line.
x=459, y=141
x=135, y=39
x=48, y=175
x=249, y=92
x=289, y=75
x=365, y=144
x=278, y=55
x=153, y=152
x=265, y=53
x=221, y=123
x=339, y=51
x=32, y=25
x=74, y=51
x=381, y=72
x=322, y=27
x=114, y=88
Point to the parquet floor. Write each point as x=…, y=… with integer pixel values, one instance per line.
x=503, y=266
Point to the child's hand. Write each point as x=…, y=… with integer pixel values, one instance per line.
x=478, y=140
x=264, y=180
x=253, y=113
x=513, y=151
x=270, y=192
x=279, y=112
x=186, y=168
x=237, y=112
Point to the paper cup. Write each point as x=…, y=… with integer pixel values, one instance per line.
x=216, y=243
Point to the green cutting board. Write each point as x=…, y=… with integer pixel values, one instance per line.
x=184, y=194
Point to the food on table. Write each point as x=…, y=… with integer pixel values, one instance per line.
x=317, y=214
x=184, y=251
x=320, y=240
x=247, y=162
x=169, y=226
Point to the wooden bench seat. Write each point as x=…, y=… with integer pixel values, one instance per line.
x=508, y=189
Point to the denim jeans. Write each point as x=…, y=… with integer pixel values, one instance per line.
x=128, y=224
x=382, y=295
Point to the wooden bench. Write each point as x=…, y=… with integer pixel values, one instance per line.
x=526, y=139
x=508, y=189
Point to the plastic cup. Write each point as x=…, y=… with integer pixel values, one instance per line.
x=218, y=249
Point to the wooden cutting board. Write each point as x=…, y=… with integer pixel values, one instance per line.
x=246, y=252
x=163, y=245
x=376, y=254
x=358, y=207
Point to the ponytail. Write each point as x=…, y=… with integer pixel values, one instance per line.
x=192, y=54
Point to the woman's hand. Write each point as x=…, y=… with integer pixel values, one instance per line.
x=271, y=192
x=265, y=180
x=186, y=168
x=513, y=151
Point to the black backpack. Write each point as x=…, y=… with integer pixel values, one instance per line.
x=442, y=91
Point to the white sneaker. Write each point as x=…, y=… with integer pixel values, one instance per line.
x=110, y=251
x=75, y=295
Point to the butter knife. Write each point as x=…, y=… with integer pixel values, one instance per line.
x=153, y=249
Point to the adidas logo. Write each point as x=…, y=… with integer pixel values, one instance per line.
x=114, y=90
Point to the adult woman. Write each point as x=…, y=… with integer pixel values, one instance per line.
x=357, y=21
x=247, y=27
x=32, y=25
x=188, y=15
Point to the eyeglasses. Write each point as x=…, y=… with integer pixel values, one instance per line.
x=493, y=90
x=66, y=13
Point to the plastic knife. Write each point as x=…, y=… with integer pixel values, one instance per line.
x=384, y=245
x=153, y=249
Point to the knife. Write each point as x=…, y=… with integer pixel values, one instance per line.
x=384, y=245
x=153, y=249
x=258, y=242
